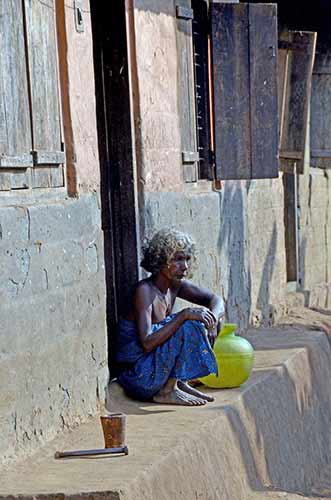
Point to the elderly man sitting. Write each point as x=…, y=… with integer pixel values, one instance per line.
x=161, y=350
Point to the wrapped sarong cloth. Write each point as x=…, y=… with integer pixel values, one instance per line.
x=186, y=355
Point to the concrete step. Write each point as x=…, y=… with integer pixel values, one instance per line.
x=267, y=439
x=322, y=486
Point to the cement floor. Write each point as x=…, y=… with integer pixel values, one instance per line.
x=264, y=440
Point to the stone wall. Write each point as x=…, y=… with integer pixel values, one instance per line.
x=156, y=119
x=53, y=355
x=315, y=258
x=314, y=194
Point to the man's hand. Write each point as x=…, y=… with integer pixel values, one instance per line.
x=212, y=335
x=202, y=314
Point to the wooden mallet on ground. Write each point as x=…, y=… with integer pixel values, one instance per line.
x=113, y=426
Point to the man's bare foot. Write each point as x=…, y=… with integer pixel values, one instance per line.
x=184, y=386
x=178, y=397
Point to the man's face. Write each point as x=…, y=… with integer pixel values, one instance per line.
x=178, y=267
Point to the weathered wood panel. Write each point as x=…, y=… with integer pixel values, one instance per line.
x=5, y=181
x=244, y=58
x=301, y=46
x=22, y=161
x=320, y=116
x=48, y=157
x=57, y=176
x=41, y=177
x=15, y=129
x=282, y=95
x=45, y=99
x=15, y=126
x=12, y=179
x=20, y=179
x=48, y=177
x=186, y=90
x=231, y=84
x=29, y=94
x=263, y=45
x=42, y=59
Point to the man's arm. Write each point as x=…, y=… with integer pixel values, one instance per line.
x=202, y=297
x=205, y=298
x=143, y=306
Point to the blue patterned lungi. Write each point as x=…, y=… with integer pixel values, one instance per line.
x=186, y=355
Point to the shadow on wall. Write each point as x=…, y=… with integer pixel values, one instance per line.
x=290, y=460
x=233, y=250
x=155, y=6
x=309, y=261
x=235, y=247
x=302, y=267
x=263, y=297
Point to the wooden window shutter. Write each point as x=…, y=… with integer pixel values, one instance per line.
x=186, y=96
x=44, y=89
x=15, y=127
x=244, y=65
x=296, y=58
x=320, y=116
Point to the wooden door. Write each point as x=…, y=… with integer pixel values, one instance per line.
x=116, y=160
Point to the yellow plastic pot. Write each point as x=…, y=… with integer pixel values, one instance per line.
x=235, y=358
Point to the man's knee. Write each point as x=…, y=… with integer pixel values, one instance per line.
x=192, y=328
x=194, y=323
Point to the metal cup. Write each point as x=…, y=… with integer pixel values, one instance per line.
x=113, y=426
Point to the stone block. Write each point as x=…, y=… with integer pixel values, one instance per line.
x=14, y=224
x=55, y=222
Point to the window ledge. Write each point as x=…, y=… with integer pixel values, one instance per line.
x=200, y=186
x=31, y=196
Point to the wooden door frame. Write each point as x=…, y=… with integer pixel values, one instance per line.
x=117, y=158
x=291, y=229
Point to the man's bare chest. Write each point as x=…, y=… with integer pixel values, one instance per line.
x=162, y=306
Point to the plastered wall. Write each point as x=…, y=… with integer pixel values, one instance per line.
x=81, y=104
x=157, y=121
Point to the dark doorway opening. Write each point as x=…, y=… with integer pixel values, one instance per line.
x=116, y=160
